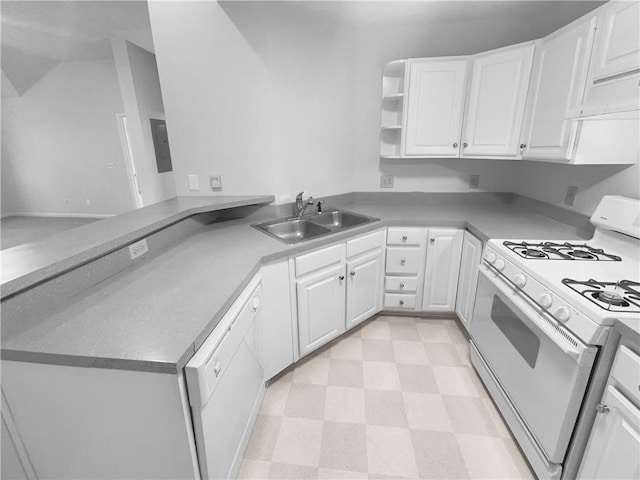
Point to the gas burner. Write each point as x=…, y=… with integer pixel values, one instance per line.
x=622, y=296
x=559, y=251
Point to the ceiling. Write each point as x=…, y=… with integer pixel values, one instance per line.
x=37, y=35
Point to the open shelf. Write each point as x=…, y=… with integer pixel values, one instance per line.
x=393, y=84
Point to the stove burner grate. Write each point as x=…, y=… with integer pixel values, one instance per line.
x=621, y=296
x=560, y=251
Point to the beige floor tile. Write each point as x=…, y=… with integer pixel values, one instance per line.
x=314, y=370
x=275, y=398
x=403, y=331
x=469, y=415
x=477, y=382
x=293, y=472
x=253, y=470
x=345, y=373
x=455, y=381
x=344, y=446
x=426, y=411
x=457, y=334
x=298, y=442
x=443, y=354
x=390, y=452
x=519, y=459
x=438, y=455
x=377, y=350
x=347, y=348
x=381, y=376
x=463, y=353
x=377, y=329
x=496, y=418
x=331, y=474
x=487, y=457
x=410, y=352
x=385, y=408
x=417, y=378
x=344, y=404
x=263, y=438
x=431, y=332
x=306, y=401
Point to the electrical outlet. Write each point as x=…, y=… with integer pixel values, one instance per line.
x=88, y=202
x=570, y=197
x=215, y=181
x=386, y=181
x=192, y=180
x=137, y=249
x=474, y=181
x=111, y=166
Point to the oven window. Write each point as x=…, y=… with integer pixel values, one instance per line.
x=521, y=337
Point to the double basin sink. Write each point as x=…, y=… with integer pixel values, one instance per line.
x=295, y=230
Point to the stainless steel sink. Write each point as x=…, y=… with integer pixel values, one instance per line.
x=296, y=230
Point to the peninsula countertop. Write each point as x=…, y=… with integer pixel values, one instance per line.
x=155, y=315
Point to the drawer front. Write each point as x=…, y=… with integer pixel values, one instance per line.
x=365, y=243
x=399, y=300
x=401, y=284
x=406, y=236
x=319, y=259
x=626, y=370
x=403, y=260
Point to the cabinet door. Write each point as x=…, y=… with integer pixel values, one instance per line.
x=612, y=451
x=364, y=289
x=558, y=80
x=441, y=272
x=497, y=95
x=434, y=106
x=321, y=307
x=468, y=281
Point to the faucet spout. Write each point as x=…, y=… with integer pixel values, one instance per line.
x=301, y=205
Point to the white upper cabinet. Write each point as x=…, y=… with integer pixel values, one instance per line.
x=495, y=107
x=558, y=80
x=436, y=88
x=615, y=64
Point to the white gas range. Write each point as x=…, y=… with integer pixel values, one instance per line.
x=543, y=309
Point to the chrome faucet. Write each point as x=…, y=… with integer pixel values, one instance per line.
x=301, y=205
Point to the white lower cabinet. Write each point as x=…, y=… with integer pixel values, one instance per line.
x=364, y=287
x=468, y=277
x=404, y=267
x=444, y=248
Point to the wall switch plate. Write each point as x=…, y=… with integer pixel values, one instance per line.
x=216, y=183
x=386, y=181
x=192, y=180
x=474, y=181
x=137, y=249
x=570, y=197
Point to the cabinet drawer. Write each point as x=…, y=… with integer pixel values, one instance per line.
x=399, y=300
x=406, y=236
x=401, y=284
x=626, y=370
x=365, y=243
x=319, y=259
x=403, y=260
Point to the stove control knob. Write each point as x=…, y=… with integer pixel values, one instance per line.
x=545, y=300
x=499, y=264
x=520, y=280
x=563, y=314
x=491, y=257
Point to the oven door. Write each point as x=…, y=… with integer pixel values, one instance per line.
x=541, y=367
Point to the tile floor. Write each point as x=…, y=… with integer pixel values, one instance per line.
x=394, y=398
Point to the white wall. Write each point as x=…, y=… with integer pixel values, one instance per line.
x=142, y=98
x=57, y=139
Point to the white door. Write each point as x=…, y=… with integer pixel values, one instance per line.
x=321, y=307
x=613, y=450
x=444, y=248
x=434, y=107
x=558, y=80
x=364, y=290
x=468, y=279
x=617, y=47
x=496, y=99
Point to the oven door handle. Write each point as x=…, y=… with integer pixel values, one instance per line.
x=575, y=352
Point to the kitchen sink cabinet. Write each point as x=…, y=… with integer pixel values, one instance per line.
x=435, y=105
x=468, y=277
x=364, y=286
x=496, y=101
x=444, y=248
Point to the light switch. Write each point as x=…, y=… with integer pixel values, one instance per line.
x=193, y=182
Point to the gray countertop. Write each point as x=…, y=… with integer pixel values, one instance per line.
x=153, y=316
